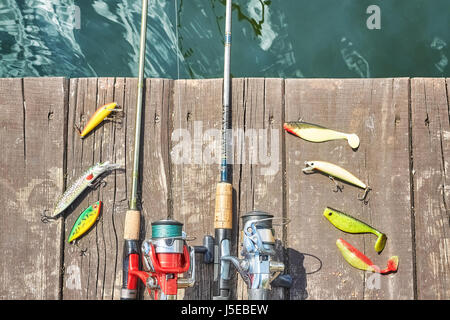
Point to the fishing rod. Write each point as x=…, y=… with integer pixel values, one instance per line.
x=166, y=254
x=133, y=215
x=258, y=268
x=224, y=191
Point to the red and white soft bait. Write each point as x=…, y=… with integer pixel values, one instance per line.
x=358, y=260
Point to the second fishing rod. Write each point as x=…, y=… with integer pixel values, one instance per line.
x=258, y=267
x=223, y=215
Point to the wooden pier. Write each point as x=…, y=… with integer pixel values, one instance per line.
x=403, y=124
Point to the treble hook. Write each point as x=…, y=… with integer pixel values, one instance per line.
x=45, y=218
x=363, y=198
x=98, y=184
x=338, y=187
x=77, y=128
x=83, y=252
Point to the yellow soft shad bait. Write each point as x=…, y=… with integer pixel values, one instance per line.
x=347, y=223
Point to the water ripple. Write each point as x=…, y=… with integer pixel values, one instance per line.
x=35, y=37
x=74, y=38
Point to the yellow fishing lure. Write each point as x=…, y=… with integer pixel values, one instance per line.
x=349, y=224
x=98, y=117
x=85, y=221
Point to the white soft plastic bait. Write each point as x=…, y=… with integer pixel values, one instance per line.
x=315, y=133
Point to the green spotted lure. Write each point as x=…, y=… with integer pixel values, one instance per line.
x=81, y=184
x=85, y=221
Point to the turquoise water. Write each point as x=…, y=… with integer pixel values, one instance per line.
x=271, y=38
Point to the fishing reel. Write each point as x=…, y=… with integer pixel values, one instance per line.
x=164, y=257
x=258, y=268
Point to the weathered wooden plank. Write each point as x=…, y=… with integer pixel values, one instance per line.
x=155, y=169
x=155, y=152
x=194, y=158
x=91, y=263
x=260, y=161
x=81, y=259
x=120, y=203
x=99, y=267
x=313, y=257
x=389, y=208
x=430, y=121
x=375, y=109
x=105, y=150
x=32, y=131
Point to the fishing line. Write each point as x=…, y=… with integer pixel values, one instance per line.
x=166, y=231
x=177, y=47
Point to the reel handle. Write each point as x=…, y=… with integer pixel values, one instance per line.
x=282, y=281
x=207, y=249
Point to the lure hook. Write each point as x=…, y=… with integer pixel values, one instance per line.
x=77, y=128
x=114, y=119
x=83, y=252
x=339, y=187
x=97, y=184
x=45, y=218
x=363, y=198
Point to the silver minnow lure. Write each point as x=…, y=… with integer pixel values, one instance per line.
x=335, y=171
x=82, y=183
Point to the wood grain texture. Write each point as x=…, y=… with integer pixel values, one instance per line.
x=90, y=263
x=376, y=110
x=32, y=164
x=96, y=259
x=260, y=159
x=155, y=168
x=196, y=115
x=430, y=121
x=156, y=183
